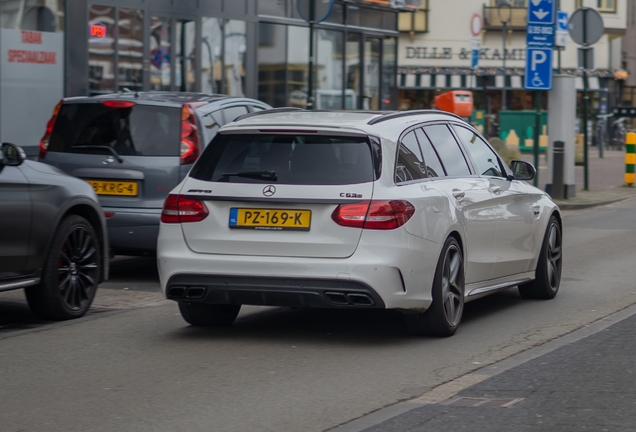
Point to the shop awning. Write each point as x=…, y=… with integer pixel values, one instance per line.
x=434, y=78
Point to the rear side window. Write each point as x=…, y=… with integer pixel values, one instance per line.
x=287, y=159
x=140, y=130
x=409, y=165
x=448, y=150
x=433, y=165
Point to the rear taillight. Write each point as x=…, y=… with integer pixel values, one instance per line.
x=377, y=214
x=181, y=209
x=189, y=146
x=44, y=142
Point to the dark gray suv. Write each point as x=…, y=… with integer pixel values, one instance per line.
x=133, y=148
x=52, y=237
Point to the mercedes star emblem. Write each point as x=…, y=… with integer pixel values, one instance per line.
x=269, y=190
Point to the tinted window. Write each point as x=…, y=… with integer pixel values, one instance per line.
x=232, y=113
x=485, y=159
x=448, y=150
x=409, y=165
x=433, y=165
x=211, y=124
x=295, y=159
x=137, y=131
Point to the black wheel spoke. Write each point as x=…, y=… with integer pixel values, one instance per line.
x=89, y=279
x=86, y=255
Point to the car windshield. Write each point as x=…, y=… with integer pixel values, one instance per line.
x=140, y=130
x=288, y=159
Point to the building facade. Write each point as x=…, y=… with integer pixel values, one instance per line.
x=436, y=56
x=256, y=48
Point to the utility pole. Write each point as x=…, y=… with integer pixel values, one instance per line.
x=310, y=81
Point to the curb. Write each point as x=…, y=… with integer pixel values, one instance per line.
x=450, y=389
x=567, y=206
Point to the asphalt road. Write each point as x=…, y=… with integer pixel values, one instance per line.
x=133, y=364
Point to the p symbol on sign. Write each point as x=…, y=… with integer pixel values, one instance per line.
x=538, y=57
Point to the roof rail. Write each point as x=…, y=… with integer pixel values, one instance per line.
x=269, y=111
x=397, y=114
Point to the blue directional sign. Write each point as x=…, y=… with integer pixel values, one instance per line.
x=540, y=35
x=538, y=69
x=562, y=21
x=541, y=11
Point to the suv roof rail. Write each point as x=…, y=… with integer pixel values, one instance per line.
x=269, y=111
x=397, y=114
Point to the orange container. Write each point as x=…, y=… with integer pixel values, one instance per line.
x=458, y=102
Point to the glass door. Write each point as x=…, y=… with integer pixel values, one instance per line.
x=353, y=71
x=371, y=93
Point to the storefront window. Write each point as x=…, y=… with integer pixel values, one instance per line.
x=130, y=49
x=211, y=60
x=160, y=55
x=38, y=15
x=371, y=74
x=389, y=73
x=101, y=49
x=328, y=69
x=272, y=79
x=235, y=53
x=185, y=66
x=353, y=67
x=297, y=66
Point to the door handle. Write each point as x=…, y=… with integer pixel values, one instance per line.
x=496, y=190
x=459, y=194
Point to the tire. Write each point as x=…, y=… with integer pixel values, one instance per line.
x=444, y=315
x=71, y=272
x=549, y=268
x=209, y=315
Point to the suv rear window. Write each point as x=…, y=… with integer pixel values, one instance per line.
x=294, y=159
x=141, y=130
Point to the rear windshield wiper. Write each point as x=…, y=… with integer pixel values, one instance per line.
x=268, y=175
x=99, y=147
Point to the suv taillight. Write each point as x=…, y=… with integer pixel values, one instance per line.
x=181, y=209
x=189, y=146
x=44, y=142
x=377, y=214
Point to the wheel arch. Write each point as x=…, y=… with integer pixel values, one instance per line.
x=457, y=236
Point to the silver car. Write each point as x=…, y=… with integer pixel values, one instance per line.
x=134, y=148
x=411, y=211
x=52, y=237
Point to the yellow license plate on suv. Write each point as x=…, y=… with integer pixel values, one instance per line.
x=270, y=219
x=109, y=187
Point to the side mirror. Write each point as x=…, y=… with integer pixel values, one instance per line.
x=523, y=170
x=12, y=155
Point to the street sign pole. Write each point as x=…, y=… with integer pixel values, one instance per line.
x=537, y=134
x=586, y=182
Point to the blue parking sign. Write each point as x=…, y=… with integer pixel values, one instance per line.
x=541, y=11
x=562, y=21
x=538, y=69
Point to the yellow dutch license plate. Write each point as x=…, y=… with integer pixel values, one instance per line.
x=270, y=219
x=109, y=187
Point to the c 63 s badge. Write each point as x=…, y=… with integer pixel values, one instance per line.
x=350, y=195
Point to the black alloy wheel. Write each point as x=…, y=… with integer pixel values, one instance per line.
x=71, y=273
x=549, y=267
x=444, y=315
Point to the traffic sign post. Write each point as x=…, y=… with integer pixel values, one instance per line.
x=539, y=43
x=586, y=28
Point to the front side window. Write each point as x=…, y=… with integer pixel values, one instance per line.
x=486, y=161
x=409, y=165
x=448, y=150
x=287, y=159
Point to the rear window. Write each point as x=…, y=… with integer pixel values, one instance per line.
x=288, y=159
x=141, y=130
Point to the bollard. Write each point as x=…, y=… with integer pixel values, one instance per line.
x=558, y=154
x=630, y=157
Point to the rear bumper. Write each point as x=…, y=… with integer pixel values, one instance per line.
x=133, y=231
x=269, y=291
x=394, y=272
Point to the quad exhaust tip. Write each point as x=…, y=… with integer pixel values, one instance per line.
x=344, y=299
x=193, y=293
